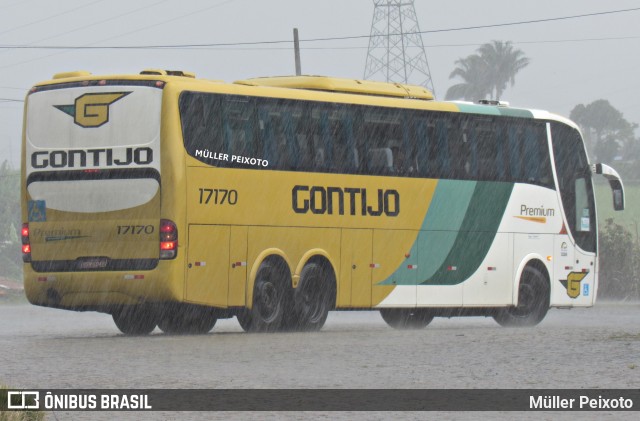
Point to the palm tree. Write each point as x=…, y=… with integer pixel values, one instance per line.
x=504, y=63
x=473, y=70
x=487, y=72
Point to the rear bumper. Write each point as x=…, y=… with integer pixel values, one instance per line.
x=102, y=290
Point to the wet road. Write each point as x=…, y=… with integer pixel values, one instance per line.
x=581, y=348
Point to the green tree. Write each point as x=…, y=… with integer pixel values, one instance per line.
x=10, y=259
x=488, y=72
x=607, y=133
x=619, y=263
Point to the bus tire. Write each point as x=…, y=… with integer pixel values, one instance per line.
x=406, y=318
x=269, y=299
x=187, y=320
x=134, y=320
x=313, y=298
x=533, y=301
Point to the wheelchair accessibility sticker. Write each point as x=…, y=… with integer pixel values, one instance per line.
x=37, y=211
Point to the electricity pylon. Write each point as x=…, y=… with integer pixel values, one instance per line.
x=396, y=51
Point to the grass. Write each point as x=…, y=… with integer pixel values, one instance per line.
x=625, y=336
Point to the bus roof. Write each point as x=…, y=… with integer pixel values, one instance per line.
x=351, y=86
x=363, y=90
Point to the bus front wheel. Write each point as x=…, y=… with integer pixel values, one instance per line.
x=134, y=320
x=268, y=300
x=406, y=318
x=533, y=301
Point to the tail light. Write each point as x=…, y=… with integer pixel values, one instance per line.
x=168, y=239
x=26, y=245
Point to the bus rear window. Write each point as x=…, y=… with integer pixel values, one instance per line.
x=94, y=190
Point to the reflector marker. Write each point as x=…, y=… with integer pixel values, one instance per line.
x=374, y=265
x=412, y=266
x=585, y=270
x=241, y=263
x=132, y=277
x=452, y=268
x=563, y=230
x=568, y=268
x=200, y=264
x=492, y=268
x=46, y=278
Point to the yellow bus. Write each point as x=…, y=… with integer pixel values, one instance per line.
x=170, y=201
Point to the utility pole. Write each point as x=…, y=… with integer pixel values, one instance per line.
x=296, y=50
x=396, y=51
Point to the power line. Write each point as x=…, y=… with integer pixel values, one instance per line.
x=117, y=36
x=341, y=38
x=15, y=28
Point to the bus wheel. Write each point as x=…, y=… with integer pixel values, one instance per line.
x=313, y=298
x=406, y=318
x=268, y=300
x=533, y=301
x=187, y=321
x=134, y=320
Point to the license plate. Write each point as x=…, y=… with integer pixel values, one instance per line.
x=92, y=263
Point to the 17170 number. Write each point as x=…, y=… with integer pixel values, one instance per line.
x=135, y=229
x=218, y=196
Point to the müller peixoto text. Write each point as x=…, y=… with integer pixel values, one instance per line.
x=583, y=402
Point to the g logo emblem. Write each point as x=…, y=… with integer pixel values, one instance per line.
x=572, y=283
x=92, y=110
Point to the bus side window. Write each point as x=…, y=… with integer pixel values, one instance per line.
x=514, y=142
x=537, y=165
x=380, y=161
x=487, y=152
x=201, y=117
x=291, y=146
x=460, y=152
x=352, y=161
x=422, y=146
x=470, y=138
x=238, y=129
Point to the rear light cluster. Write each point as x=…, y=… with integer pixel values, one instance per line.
x=168, y=239
x=26, y=245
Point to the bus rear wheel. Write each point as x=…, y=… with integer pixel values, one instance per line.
x=533, y=301
x=134, y=320
x=313, y=298
x=406, y=318
x=269, y=300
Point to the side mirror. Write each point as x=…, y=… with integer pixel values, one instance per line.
x=615, y=182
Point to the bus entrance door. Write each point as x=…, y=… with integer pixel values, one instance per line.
x=208, y=265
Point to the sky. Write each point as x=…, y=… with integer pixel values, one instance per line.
x=573, y=61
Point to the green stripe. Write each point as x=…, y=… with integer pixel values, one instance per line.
x=443, y=222
x=458, y=230
x=494, y=110
x=438, y=232
x=476, y=234
x=515, y=112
